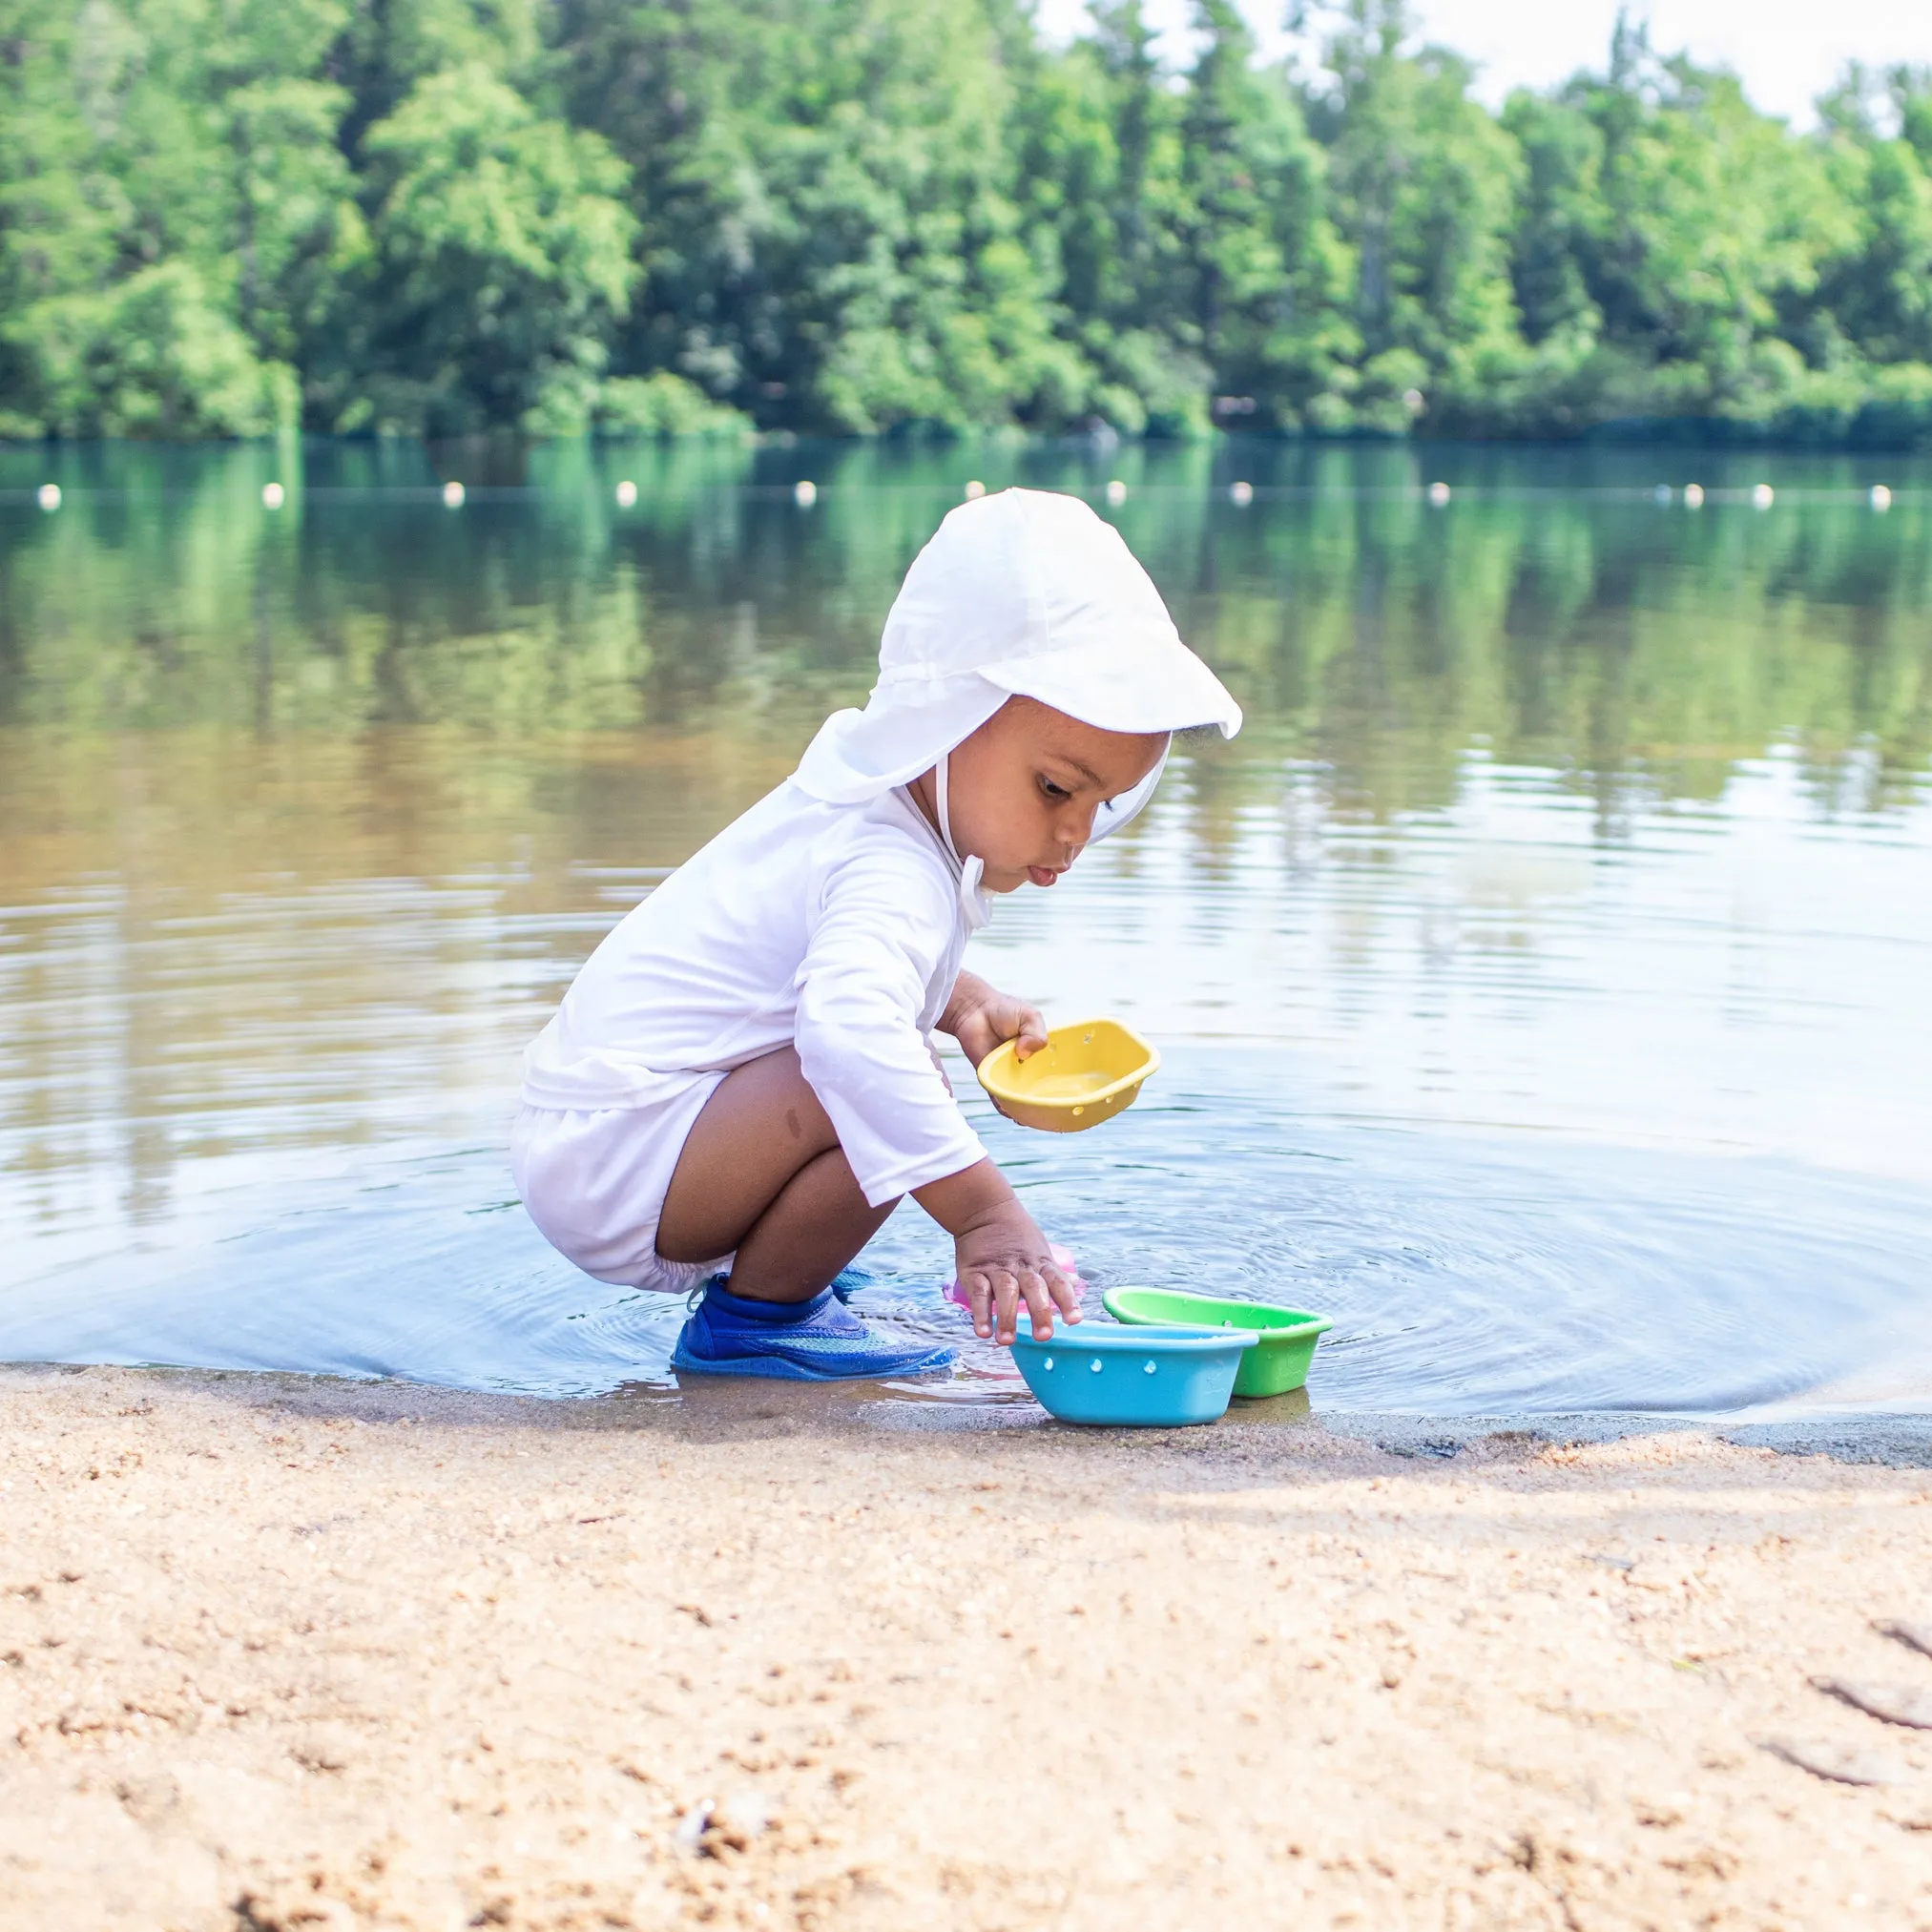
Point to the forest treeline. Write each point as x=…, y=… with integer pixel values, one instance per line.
x=229, y=218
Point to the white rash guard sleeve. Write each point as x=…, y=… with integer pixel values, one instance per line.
x=876, y=975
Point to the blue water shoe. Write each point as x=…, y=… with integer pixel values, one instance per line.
x=815, y=1341
x=848, y=1281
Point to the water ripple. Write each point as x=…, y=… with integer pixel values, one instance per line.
x=1466, y=1274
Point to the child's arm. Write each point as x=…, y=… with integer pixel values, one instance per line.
x=862, y=1053
x=980, y=1017
x=1002, y=1258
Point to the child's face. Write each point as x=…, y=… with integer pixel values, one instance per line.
x=1022, y=790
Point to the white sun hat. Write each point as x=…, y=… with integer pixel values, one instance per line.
x=1026, y=593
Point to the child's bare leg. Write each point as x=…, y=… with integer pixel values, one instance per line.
x=762, y=1172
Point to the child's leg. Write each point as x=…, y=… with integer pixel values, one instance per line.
x=762, y=1172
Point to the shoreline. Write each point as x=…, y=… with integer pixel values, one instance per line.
x=1895, y=1434
x=280, y=1653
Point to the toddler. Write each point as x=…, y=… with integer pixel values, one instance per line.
x=740, y=1085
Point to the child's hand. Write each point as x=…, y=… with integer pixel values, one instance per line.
x=1003, y=1260
x=980, y=1017
x=1007, y=1262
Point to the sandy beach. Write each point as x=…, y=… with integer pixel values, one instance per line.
x=286, y=1654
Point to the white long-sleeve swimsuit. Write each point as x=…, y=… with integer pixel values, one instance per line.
x=835, y=928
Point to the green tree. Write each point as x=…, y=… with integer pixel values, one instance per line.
x=1425, y=189
x=670, y=217
x=171, y=180
x=498, y=259
x=1265, y=267
x=1100, y=176
x=826, y=223
x=1875, y=289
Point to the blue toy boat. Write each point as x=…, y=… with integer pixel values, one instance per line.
x=1148, y=1378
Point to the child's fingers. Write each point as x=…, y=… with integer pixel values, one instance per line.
x=1039, y=1303
x=1006, y=1301
x=979, y=1299
x=1030, y=1034
x=1061, y=1291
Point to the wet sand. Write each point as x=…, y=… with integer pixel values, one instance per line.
x=285, y=1654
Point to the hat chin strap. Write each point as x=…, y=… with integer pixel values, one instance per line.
x=971, y=870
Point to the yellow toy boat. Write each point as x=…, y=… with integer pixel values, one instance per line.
x=1083, y=1075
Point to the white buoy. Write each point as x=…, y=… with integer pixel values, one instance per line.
x=48, y=496
x=1241, y=495
x=1661, y=494
x=1116, y=493
x=1762, y=495
x=804, y=494
x=975, y=489
x=1694, y=496
x=452, y=495
x=1882, y=497
x=1438, y=494
x=272, y=496
x=627, y=494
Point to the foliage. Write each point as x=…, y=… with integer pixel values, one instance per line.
x=498, y=258
x=675, y=217
x=664, y=405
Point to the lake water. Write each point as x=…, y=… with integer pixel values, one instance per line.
x=1541, y=976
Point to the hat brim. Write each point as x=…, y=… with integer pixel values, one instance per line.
x=1121, y=688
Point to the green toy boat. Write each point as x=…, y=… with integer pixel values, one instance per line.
x=1278, y=1363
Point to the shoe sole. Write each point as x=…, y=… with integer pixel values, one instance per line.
x=776, y=1369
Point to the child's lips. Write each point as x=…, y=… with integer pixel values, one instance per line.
x=1042, y=875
